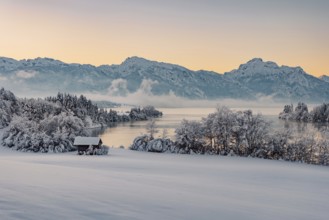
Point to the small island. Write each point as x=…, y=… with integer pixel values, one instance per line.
x=319, y=114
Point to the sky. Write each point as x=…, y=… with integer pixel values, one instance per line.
x=216, y=35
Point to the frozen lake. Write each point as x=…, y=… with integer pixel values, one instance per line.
x=123, y=134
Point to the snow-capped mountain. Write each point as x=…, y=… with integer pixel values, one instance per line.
x=183, y=82
x=44, y=74
x=280, y=82
x=250, y=81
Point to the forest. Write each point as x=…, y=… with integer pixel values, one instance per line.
x=51, y=124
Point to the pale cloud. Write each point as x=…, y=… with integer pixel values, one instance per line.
x=143, y=96
x=25, y=75
x=146, y=87
x=118, y=88
x=2, y=78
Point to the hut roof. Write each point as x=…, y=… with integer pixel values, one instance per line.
x=87, y=140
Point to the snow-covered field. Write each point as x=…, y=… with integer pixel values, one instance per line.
x=136, y=185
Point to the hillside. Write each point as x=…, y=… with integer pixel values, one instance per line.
x=134, y=185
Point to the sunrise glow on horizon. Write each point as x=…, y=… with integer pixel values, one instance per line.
x=216, y=35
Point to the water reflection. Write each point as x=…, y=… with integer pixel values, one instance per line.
x=303, y=127
x=123, y=134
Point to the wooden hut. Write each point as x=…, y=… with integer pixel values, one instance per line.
x=87, y=144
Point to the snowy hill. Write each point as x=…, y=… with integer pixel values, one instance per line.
x=252, y=80
x=133, y=186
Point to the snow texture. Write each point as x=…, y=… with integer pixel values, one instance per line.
x=135, y=185
x=86, y=140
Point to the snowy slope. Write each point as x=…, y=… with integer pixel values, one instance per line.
x=252, y=80
x=135, y=185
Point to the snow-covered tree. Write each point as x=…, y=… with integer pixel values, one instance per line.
x=138, y=114
x=222, y=127
x=301, y=112
x=85, y=110
x=158, y=145
x=8, y=107
x=189, y=137
x=277, y=146
x=257, y=132
x=54, y=133
x=320, y=113
x=287, y=113
x=207, y=128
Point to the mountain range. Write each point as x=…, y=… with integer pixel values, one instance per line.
x=252, y=80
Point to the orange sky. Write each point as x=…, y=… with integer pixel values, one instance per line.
x=214, y=35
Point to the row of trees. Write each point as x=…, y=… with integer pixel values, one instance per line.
x=224, y=132
x=86, y=110
x=242, y=133
x=319, y=113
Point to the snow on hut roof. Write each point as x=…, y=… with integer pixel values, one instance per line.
x=86, y=140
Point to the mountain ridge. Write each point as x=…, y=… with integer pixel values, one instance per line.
x=250, y=81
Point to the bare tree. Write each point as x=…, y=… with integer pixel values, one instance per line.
x=152, y=128
x=164, y=133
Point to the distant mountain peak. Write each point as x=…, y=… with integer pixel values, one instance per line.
x=136, y=60
x=258, y=62
x=255, y=60
x=256, y=66
x=42, y=61
x=145, y=63
x=324, y=78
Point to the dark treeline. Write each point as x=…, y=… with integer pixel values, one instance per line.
x=241, y=133
x=51, y=124
x=319, y=113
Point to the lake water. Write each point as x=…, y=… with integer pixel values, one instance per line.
x=123, y=134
